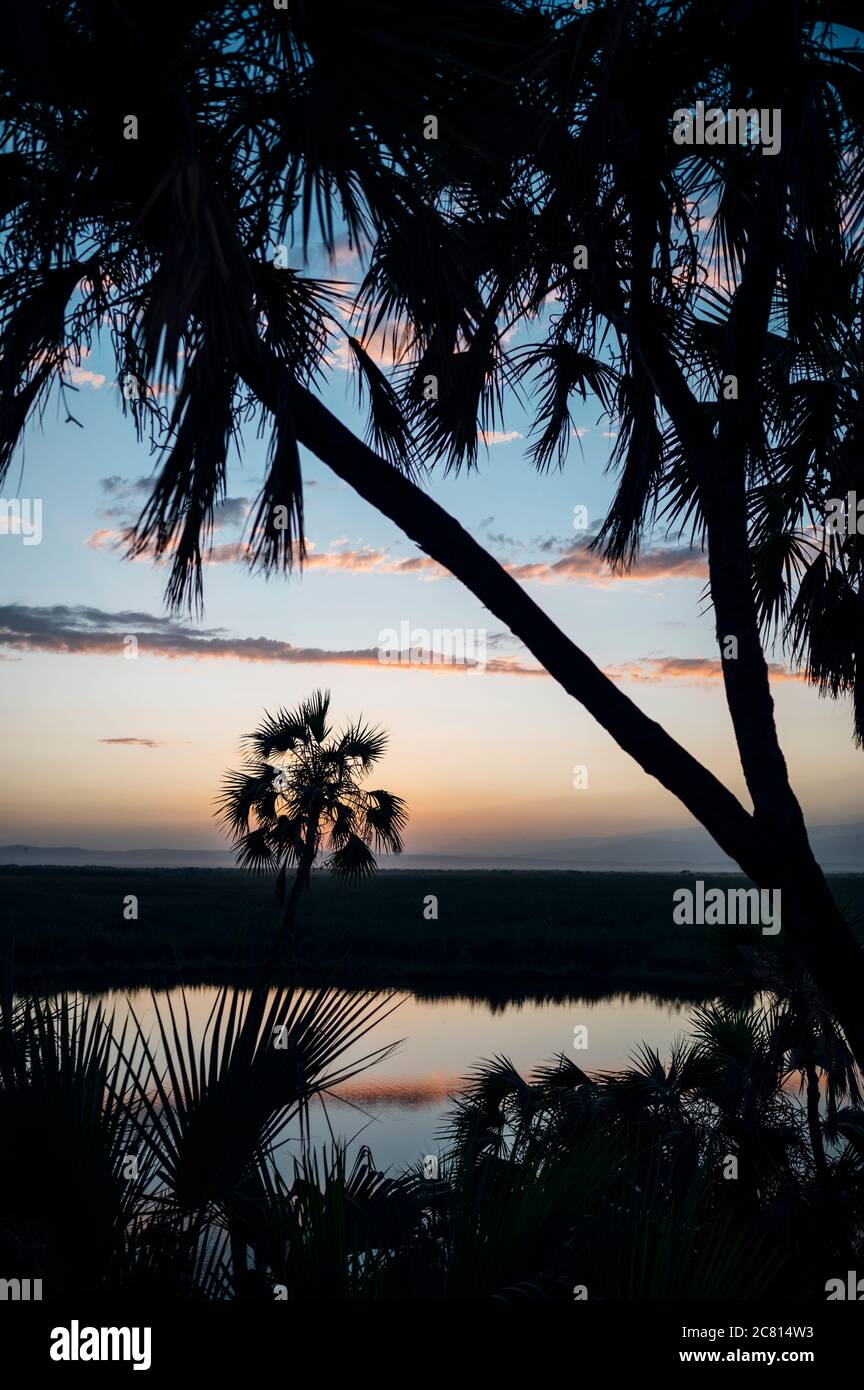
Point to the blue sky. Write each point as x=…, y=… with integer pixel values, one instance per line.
x=105, y=751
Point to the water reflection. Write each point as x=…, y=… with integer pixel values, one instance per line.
x=398, y=1108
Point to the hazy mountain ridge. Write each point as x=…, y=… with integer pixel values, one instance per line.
x=838, y=848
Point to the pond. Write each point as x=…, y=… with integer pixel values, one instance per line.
x=398, y=1107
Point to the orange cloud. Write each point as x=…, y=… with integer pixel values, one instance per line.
x=387, y=346
x=135, y=742
x=365, y=560
x=699, y=670
x=80, y=631
x=498, y=436
x=84, y=631
x=579, y=563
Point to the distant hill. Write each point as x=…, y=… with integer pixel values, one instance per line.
x=839, y=848
x=73, y=856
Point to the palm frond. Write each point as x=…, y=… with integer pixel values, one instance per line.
x=353, y=859
x=386, y=817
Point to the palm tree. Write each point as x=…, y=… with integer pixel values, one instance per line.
x=708, y=325
x=244, y=129
x=300, y=795
x=202, y=1119
x=616, y=1181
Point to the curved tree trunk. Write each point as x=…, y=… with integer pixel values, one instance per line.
x=768, y=856
x=821, y=935
x=443, y=539
x=818, y=930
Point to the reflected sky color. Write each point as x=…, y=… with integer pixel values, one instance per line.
x=398, y=1107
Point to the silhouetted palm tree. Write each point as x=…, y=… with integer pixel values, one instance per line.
x=243, y=128
x=173, y=1183
x=167, y=1142
x=300, y=795
x=718, y=320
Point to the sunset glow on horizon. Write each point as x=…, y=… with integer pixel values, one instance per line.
x=484, y=757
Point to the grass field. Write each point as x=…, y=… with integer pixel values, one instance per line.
x=497, y=934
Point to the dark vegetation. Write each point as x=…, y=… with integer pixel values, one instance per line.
x=564, y=1184
x=514, y=932
x=707, y=265
x=312, y=123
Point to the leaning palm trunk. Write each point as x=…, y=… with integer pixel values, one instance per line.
x=818, y=930
x=771, y=848
x=442, y=538
x=177, y=207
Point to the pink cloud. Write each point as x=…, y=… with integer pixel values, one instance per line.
x=578, y=564
x=498, y=436
x=365, y=560
x=81, y=631
x=695, y=670
x=79, y=377
x=581, y=564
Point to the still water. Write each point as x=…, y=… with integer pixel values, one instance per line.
x=399, y=1106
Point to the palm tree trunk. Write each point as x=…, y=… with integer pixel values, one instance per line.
x=813, y=1124
x=811, y=918
x=289, y=918
x=818, y=930
x=770, y=857
x=289, y=911
x=442, y=538
x=298, y=887
x=288, y=931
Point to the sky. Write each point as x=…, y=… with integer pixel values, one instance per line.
x=104, y=749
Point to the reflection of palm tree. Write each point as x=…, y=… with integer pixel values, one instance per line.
x=300, y=793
